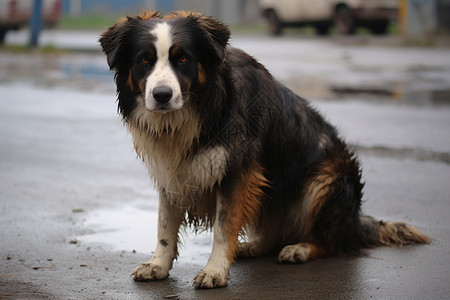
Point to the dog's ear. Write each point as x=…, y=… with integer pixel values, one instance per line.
x=115, y=39
x=112, y=39
x=215, y=33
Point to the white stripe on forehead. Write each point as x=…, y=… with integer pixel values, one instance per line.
x=163, y=74
x=163, y=39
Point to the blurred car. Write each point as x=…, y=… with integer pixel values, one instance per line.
x=323, y=14
x=15, y=14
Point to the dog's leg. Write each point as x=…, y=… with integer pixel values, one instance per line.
x=169, y=220
x=235, y=208
x=215, y=274
x=330, y=223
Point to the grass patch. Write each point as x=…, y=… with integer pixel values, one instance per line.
x=15, y=49
x=87, y=22
x=422, y=43
x=24, y=49
x=252, y=29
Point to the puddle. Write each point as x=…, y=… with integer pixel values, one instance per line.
x=425, y=93
x=408, y=95
x=414, y=86
x=87, y=72
x=127, y=228
x=78, y=71
x=401, y=153
x=133, y=227
x=362, y=91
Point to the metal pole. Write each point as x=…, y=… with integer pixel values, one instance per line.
x=36, y=23
x=403, y=16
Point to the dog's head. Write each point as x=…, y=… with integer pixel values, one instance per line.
x=159, y=62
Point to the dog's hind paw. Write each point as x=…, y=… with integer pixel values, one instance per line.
x=248, y=250
x=301, y=253
x=208, y=280
x=149, y=271
x=293, y=254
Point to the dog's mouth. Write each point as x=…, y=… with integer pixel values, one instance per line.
x=162, y=109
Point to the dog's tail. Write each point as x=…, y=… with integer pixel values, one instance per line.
x=378, y=233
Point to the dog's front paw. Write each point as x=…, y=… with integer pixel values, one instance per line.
x=208, y=280
x=150, y=271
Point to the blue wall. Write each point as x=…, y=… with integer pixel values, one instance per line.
x=118, y=6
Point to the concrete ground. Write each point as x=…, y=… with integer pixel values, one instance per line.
x=78, y=211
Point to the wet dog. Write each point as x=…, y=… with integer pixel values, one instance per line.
x=229, y=147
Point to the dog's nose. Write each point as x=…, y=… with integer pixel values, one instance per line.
x=162, y=94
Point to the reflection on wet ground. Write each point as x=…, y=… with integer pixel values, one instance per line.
x=67, y=70
x=133, y=228
x=417, y=85
x=410, y=91
x=403, y=153
x=438, y=96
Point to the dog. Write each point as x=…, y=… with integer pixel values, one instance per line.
x=231, y=148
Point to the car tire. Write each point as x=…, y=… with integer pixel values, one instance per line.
x=273, y=22
x=2, y=35
x=380, y=27
x=323, y=28
x=344, y=21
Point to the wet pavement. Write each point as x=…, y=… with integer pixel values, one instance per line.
x=78, y=211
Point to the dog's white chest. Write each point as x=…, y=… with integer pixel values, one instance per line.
x=186, y=178
x=208, y=167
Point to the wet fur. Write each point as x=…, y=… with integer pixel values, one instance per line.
x=243, y=155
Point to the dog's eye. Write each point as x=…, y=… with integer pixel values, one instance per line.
x=182, y=60
x=145, y=60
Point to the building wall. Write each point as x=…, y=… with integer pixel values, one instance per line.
x=101, y=6
x=230, y=11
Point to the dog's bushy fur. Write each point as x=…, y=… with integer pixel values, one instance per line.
x=234, y=149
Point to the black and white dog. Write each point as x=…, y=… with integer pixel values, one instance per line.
x=230, y=147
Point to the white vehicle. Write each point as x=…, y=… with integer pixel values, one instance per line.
x=15, y=14
x=322, y=14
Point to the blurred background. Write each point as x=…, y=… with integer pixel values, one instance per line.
x=282, y=26
x=78, y=211
x=412, y=18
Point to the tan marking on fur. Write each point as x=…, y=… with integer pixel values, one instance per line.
x=244, y=206
x=394, y=233
x=318, y=191
x=176, y=14
x=122, y=20
x=316, y=251
x=130, y=81
x=201, y=74
x=148, y=14
x=182, y=14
